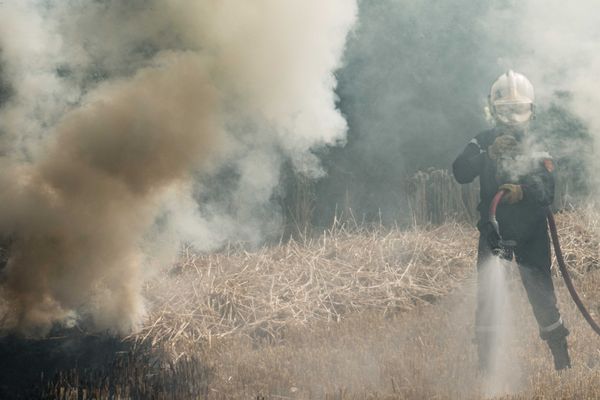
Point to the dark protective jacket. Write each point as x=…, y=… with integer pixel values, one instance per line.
x=533, y=172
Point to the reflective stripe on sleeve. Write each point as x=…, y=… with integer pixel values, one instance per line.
x=552, y=327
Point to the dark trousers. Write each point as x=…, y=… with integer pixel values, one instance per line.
x=534, y=260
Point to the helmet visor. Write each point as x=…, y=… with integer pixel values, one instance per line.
x=513, y=113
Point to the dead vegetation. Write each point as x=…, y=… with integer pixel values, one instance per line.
x=579, y=233
x=346, y=270
x=427, y=351
x=358, y=314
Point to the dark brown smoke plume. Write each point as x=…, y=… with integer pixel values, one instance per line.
x=75, y=216
x=119, y=114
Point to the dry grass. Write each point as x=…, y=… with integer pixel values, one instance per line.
x=425, y=352
x=579, y=233
x=261, y=294
x=365, y=314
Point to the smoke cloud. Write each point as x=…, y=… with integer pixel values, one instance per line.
x=561, y=57
x=130, y=128
x=415, y=84
x=413, y=88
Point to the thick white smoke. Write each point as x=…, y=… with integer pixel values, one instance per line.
x=556, y=45
x=117, y=108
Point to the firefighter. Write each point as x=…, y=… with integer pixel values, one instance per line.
x=503, y=159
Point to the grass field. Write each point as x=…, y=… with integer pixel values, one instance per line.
x=354, y=314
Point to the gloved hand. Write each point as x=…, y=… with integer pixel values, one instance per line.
x=505, y=146
x=514, y=193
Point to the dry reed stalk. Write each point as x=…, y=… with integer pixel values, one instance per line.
x=436, y=198
x=259, y=294
x=579, y=231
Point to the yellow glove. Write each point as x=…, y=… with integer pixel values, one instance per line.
x=514, y=193
x=505, y=146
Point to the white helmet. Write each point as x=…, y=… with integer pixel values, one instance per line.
x=511, y=99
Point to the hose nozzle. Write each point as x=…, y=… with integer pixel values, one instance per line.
x=500, y=247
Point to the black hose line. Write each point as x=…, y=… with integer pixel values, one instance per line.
x=562, y=266
x=565, y=273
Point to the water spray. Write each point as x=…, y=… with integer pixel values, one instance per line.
x=504, y=249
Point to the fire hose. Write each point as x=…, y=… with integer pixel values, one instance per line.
x=502, y=248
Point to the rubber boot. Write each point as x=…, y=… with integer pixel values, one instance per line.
x=560, y=353
x=557, y=341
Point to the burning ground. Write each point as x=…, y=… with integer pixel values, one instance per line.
x=356, y=314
